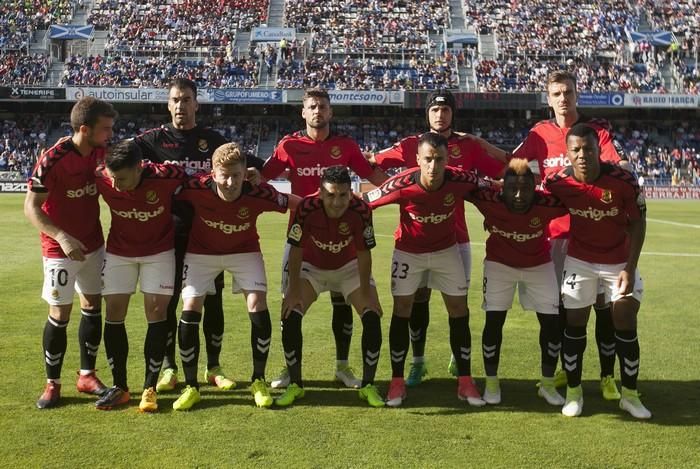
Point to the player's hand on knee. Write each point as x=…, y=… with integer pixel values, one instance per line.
x=290, y=303
x=625, y=282
x=72, y=247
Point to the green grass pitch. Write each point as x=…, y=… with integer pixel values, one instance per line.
x=331, y=427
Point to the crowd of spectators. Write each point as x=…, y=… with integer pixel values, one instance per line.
x=124, y=71
x=679, y=17
x=418, y=73
x=566, y=27
x=527, y=74
x=687, y=76
x=663, y=154
x=21, y=142
x=19, y=19
x=163, y=24
x=373, y=26
x=23, y=69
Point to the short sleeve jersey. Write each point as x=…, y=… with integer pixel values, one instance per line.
x=546, y=144
x=220, y=227
x=600, y=212
x=517, y=239
x=330, y=243
x=306, y=160
x=426, y=221
x=142, y=223
x=465, y=154
x=72, y=203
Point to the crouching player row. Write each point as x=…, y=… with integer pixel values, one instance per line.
x=223, y=238
x=330, y=237
x=426, y=254
x=140, y=249
x=518, y=257
x=608, y=225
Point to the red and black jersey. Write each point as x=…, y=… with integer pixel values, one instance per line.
x=142, y=223
x=426, y=222
x=330, y=243
x=306, y=160
x=517, y=239
x=546, y=144
x=463, y=153
x=189, y=148
x=72, y=204
x=220, y=227
x=600, y=212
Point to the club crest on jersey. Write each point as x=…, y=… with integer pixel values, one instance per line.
x=449, y=199
x=243, y=212
x=607, y=196
x=203, y=145
x=335, y=152
x=343, y=228
x=455, y=152
x=535, y=222
x=295, y=232
x=152, y=197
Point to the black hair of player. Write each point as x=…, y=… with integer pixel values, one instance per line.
x=125, y=154
x=433, y=139
x=336, y=175
x=583, y=131
x=88, y=110
x=318, y=93
x=183, y=84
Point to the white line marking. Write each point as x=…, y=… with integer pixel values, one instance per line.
x=666, y=222
x=646, y=253
x=671, y=254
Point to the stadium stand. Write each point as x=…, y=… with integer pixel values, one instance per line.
x=368, y=74
x=19, y=19
x=21, y=142
x=23, y=69
x=166, y=25
x=370, y=26
x=117, y=70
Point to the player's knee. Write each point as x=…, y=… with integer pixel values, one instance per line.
x=402, y=306
x=495, y=319
x=549, y=323
x=577, y=317
x=60, y=312
x=91, y=302
x=422, y=295
x=256, y=301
